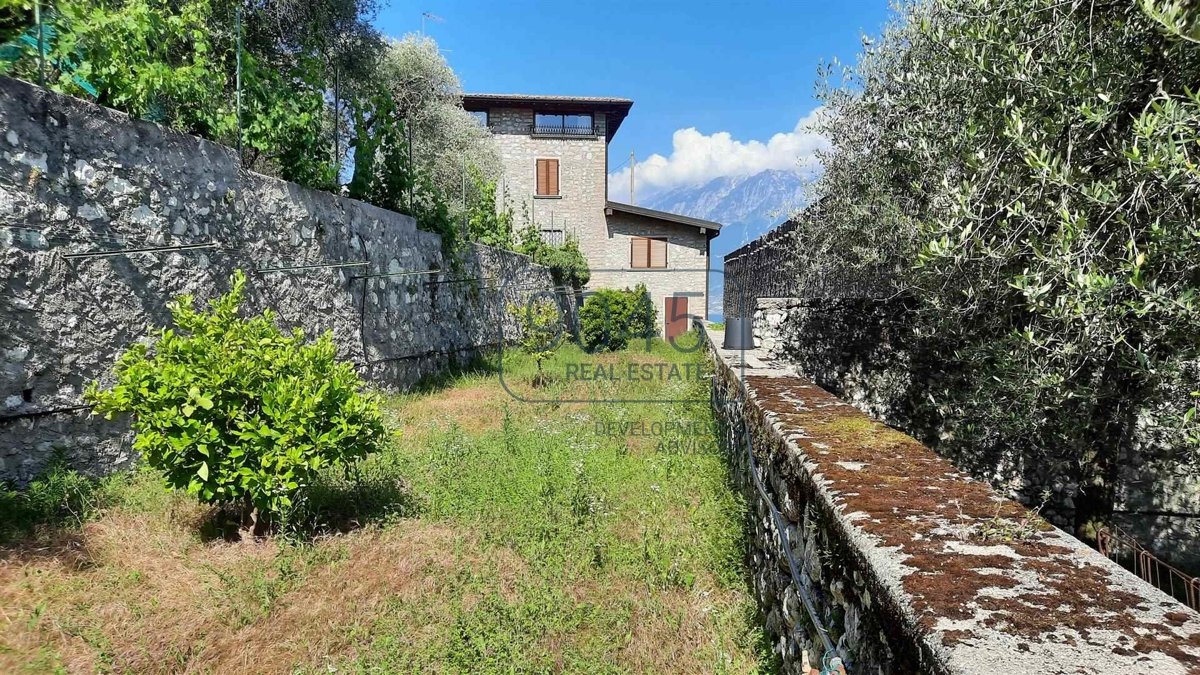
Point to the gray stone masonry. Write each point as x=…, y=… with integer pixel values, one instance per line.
x=76, y=178
x=890, y=541
x=582, y=167
x=864, y=350
x=687, y=262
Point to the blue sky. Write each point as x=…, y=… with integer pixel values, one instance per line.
x=745, y=69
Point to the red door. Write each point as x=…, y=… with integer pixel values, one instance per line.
x=678, y=321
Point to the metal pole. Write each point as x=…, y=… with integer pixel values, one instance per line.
x=238, y=81
x=412, y=169
x=464, y=195
x=37, y=17
x=336, y=164
x=632, y=165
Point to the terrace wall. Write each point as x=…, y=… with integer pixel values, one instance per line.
x=851, y=332
x=911, y=565
x=76, y=178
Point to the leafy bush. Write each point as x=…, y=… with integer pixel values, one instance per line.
x=566, y=262
x=643, y=319
x=610, y=318
x=541, y=328
x=237, y=412
x=486, y=223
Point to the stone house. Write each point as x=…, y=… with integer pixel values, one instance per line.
x=554, y=151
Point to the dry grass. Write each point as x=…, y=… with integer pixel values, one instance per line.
x=133, y=595
x=475, y=409
x=490, y=577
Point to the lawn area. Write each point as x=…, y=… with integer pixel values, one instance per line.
x=494, y=535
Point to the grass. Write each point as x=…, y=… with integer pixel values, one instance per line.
x=492, y=536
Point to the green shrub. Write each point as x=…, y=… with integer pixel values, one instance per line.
x=237, y=412
x=59, y=496
x=610, y=318
x=486, y=223
x=541, y=326
x=567, y=263
x=643, y=320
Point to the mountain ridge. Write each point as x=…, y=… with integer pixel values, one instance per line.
x=746, y=207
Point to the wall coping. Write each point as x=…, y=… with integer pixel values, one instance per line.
x=1043, y=603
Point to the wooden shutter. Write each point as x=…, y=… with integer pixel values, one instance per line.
x=658, y=253
x=547, y=177
x=552, y=176
x=639, y=252
x=541, y=177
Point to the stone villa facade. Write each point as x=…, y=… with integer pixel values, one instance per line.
x=555, y=155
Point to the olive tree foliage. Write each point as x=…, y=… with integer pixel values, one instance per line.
x=1029, y=170
x=413, y=93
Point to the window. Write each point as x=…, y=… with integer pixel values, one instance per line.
x=547, y=178
x=480, y=116
x=648, y=253
x=569, y=124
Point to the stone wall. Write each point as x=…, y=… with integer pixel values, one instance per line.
x=865, y=351
x=850, y=332
x=910, y=565
x=79, y=184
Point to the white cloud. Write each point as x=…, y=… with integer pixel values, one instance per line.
x=697, y=158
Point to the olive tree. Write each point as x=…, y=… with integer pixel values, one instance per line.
x=1029, y=167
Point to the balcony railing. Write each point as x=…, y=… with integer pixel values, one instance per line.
x=563, y=130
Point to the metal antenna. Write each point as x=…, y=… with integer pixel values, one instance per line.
x=432, y=17
x=632, y=167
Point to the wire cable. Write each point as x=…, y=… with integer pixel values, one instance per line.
x=780, y=527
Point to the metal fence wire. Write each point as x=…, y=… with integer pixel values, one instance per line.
x=830, y=663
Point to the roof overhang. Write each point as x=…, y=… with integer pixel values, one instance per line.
x=614, y=109
x=711, y=228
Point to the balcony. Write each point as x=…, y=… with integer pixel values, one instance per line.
x=566, y=131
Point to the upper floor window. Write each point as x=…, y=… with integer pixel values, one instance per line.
x=480, y=116
x=547, y=178
x=648, y=253
x=569, y=124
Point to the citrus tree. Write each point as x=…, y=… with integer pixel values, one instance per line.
x=235, y=411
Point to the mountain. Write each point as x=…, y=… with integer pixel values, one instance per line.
x=746, y=206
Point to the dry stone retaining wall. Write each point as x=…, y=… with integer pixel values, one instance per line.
x=852, y=333
x=912, y=566
x=76, y=178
